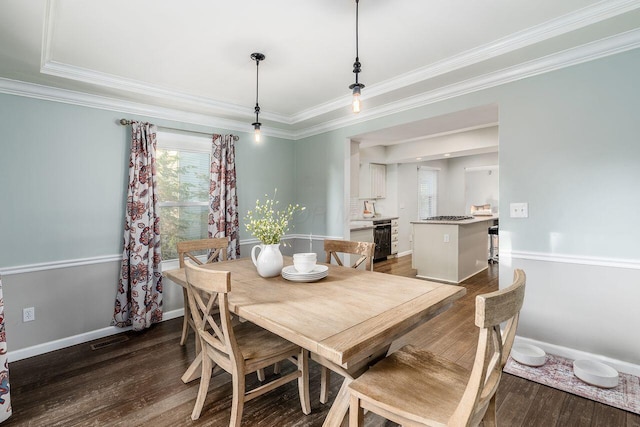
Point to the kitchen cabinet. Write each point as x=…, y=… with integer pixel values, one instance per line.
x=373, y=181
x=394, y=237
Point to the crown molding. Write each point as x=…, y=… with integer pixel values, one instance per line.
x=599, y=49
x=49, y=93
x=588, y=52
x=553, y=28
x=71, y=72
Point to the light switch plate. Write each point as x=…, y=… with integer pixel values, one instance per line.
x=519, y=210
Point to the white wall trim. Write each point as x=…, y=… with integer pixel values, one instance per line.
x=535, y=256
x=570, y=353
x=48, y=93
x=588, y=52
x=539, y=33
x=70, y=263
x=545, y=31
x=405, y=253
x=47, y=347
x=573, y=259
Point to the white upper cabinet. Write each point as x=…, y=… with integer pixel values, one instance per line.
x=373, y=181
x=378, y=180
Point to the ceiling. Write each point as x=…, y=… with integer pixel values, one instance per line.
x=190, y=60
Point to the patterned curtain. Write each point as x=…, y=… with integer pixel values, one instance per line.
x=223, y=201
x=139, y=296
x=5, y=398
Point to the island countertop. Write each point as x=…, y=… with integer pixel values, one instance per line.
x=462, y=222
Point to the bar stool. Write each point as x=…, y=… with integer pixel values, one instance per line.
x=493, y=235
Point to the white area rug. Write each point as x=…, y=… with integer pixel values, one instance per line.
x=557, y=372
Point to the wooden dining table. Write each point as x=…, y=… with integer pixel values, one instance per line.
x=347, y=320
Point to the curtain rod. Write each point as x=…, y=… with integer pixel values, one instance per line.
x=125, y=122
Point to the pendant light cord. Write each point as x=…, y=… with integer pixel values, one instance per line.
x=356, y=65
x=257, y=109
x=357, y=2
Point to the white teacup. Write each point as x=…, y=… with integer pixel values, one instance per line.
x=304, y=262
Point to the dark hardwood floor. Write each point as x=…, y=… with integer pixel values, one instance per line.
x=134, y=380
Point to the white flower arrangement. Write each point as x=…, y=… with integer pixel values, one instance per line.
x=268, y=224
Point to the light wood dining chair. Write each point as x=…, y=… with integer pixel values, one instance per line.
x=365, y=249
x=192, y=249
x=332, y=248
x=418, y=388
x=239, y=349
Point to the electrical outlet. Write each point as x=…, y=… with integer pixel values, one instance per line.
x=28, y=314
x=519, y=210
x=446, y=238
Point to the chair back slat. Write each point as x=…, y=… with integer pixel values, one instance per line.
x=494, y=347
x=207, y=291
x=217, y=248
x=365, y=249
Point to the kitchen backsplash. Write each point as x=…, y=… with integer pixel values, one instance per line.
x=356, y=206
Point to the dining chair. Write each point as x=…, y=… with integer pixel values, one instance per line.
x=192, y=249
x=240, y=349
x=332, y=248
x=417, y=388
x=365, y=249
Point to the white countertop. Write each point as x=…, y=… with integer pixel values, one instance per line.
x=364, y=223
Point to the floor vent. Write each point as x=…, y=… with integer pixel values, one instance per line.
x=109, y=341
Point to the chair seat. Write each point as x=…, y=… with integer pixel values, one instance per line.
x=417, y=384
x=258, y=343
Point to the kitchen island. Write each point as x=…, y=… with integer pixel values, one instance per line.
x=450, y=250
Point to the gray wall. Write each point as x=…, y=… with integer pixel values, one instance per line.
x=568, y=146
x=63, y=174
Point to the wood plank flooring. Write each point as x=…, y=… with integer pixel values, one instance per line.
x=136, y=382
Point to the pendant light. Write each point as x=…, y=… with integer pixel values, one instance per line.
x=356, y=69
x=256, y=126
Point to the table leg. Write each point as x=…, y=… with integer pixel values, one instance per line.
x=340, y=405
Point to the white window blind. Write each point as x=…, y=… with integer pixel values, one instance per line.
x=427, y=192
x=182, y=165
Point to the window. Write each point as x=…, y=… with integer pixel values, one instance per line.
x=182, y=170
x=427, y=192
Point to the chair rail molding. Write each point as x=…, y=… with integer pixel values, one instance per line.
x=573, y=259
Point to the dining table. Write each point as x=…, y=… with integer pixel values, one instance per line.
x=347, y=320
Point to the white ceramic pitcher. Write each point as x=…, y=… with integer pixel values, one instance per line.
x=269, y=260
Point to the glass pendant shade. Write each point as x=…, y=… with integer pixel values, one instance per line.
x=356, y=99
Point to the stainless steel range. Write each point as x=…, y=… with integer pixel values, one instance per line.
x=448, y=218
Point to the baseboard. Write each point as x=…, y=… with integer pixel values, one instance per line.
x=570, y=353
x=404, y=253
x=47, y=347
